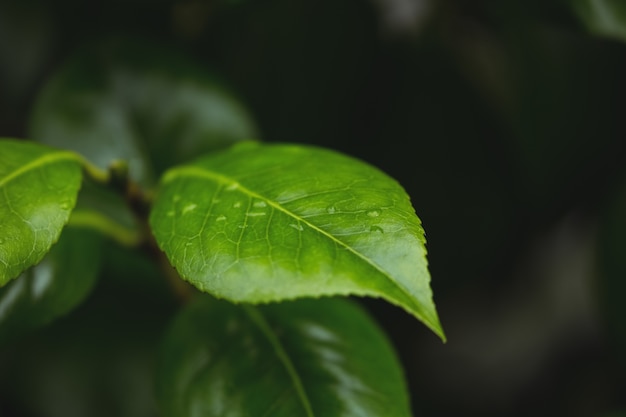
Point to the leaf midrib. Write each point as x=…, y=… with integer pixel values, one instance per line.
x=259, y=320
x=201, y=172
x=37, y=163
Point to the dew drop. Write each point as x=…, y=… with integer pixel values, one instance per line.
x=259, y=204
x=255, y=214
x=331, y=209
x=373, y=213
x=298, y=227
x=189, y=207
x=220, y=218
x=377, y=229
x=66, y=205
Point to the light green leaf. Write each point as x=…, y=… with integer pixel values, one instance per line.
x=603, y=17
x=274, y=222
x=38, y=188
x=309, y=358
x=136, y=101
x=53, y=287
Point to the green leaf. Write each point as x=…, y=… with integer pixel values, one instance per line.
x=264, y=223
x=308, y=358
x=53, y=287
x=38, y=188
x=603, y=17
x=132, y=100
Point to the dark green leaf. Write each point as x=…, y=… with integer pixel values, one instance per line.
x=603, y=17
x=53, y=287
x=38, y=188
x=130, y=100
x=275, y=222
x=98, y=361
x=308, y=358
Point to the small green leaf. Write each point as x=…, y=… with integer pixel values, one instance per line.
x=136, y=101
x=603, y=17
x=38, y=188
x=266, y=223
x=53, y=287
x=309, y=358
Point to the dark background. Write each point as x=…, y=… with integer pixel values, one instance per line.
x=504, y=120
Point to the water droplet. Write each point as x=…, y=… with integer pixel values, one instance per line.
x=298, y=227
x=232, y=187
x=259, y=204
x=66, y=205
x=373, y=213
x=377, y=229
x=237, y=204
x=255, y=214
x=331, y=209
x=189, y=207
x=220, y=218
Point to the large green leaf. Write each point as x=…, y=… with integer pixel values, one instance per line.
x=132, y=100
x=53, y=287
x=38, y=188
x=265, y=223
x=603, y=17
x=305, y=358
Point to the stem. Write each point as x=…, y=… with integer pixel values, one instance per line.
x=139, y=202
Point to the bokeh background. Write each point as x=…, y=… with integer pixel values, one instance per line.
x=504, y=120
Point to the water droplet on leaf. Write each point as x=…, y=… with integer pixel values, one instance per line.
x=220, y=218
x=189, y=207
x=259, y=204
x=331, y=209
x=373, y=213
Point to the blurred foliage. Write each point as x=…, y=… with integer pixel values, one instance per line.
x=505, y=118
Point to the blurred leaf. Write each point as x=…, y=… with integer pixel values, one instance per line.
x=53, y=287
x=306, y=358
x=131, y=100
x=603, y=17
x=612, y=265
x=97, y=361
x=38, y=188
x=276, y=222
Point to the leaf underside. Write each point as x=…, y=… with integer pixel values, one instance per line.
x=38, y=189
x=263, y=223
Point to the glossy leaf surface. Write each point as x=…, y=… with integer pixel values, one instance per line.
x=38, y=189
x=53, y=287
x=265, y=223
x=603, y=17
x=132, y=100
x=302, y=358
